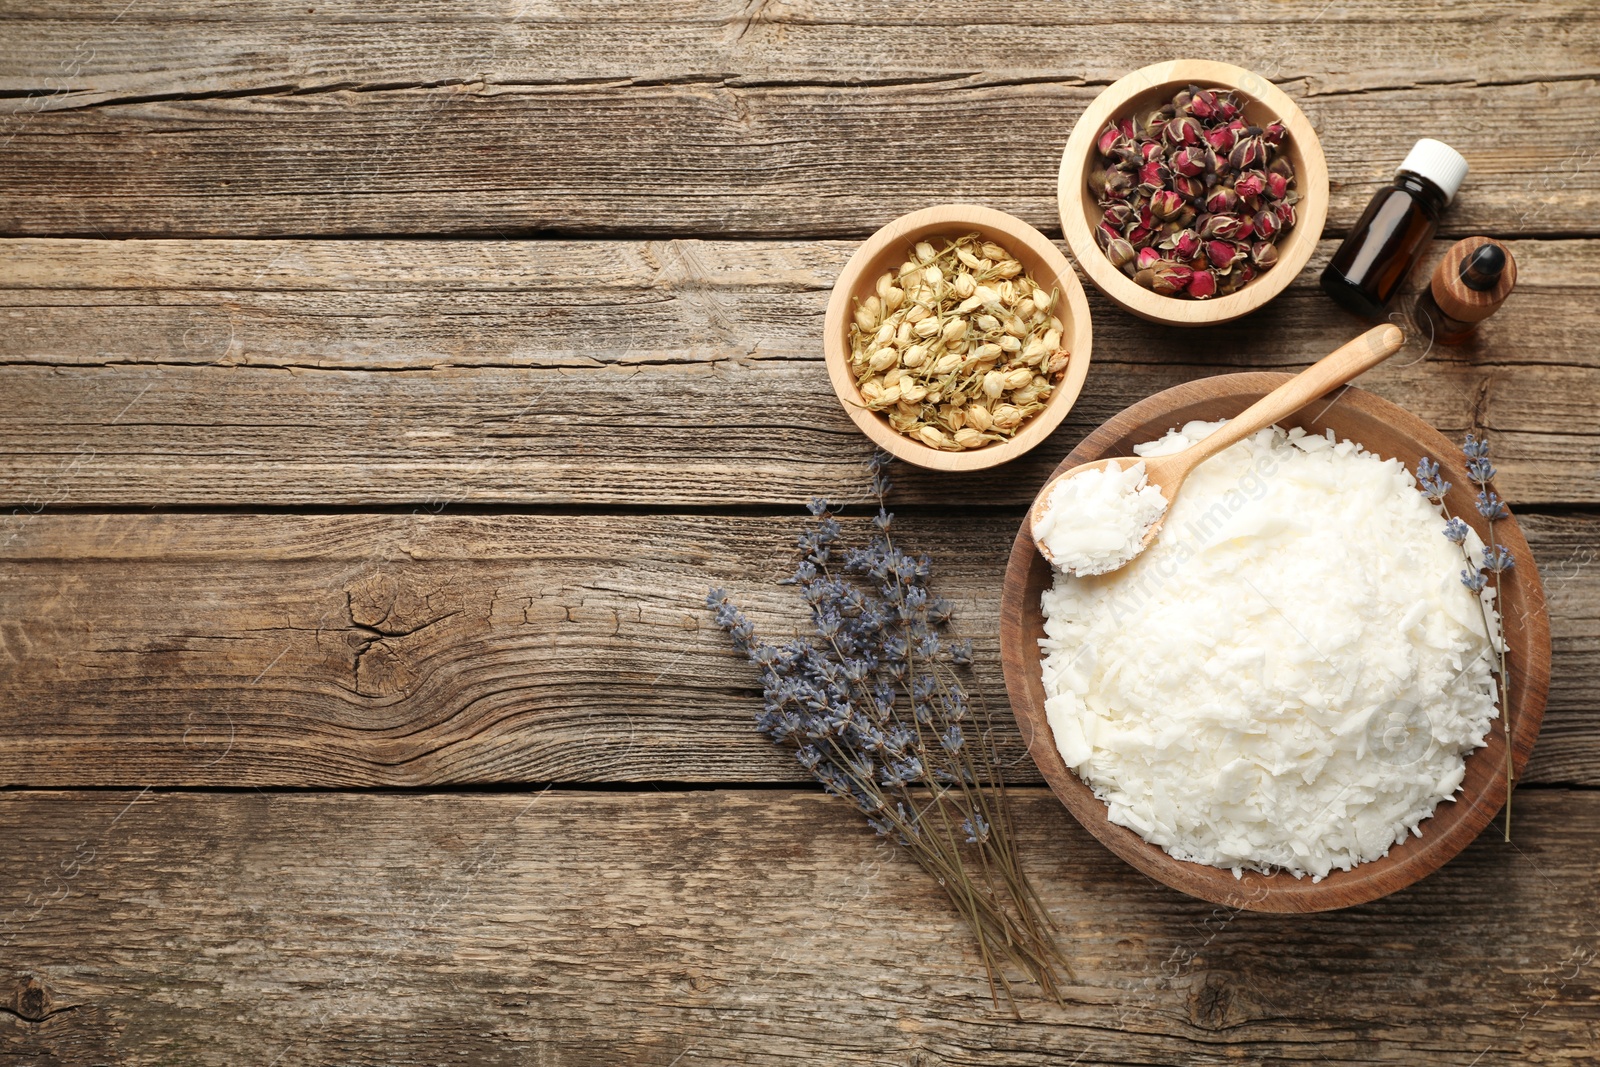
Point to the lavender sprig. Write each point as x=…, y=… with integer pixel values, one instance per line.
x=1480, y=573
x=874, y=711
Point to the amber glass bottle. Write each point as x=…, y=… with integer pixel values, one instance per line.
x=1372, y=263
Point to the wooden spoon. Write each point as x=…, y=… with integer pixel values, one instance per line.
x=1167, y=473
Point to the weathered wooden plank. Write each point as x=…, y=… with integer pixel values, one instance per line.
x=659, y=373
x=735, y=928
x=725, y=145
x=353, y=650
x=76, y=56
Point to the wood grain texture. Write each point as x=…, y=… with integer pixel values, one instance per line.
x=721, y=118
x=763, y=928
x=668, y=374
x=419, y=649
x=77, y=54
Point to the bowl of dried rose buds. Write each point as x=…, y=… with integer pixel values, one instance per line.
x=957, y=337
x=1192, y=192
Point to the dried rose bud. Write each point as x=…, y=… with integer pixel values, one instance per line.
x=1149, y=150
x=1117, y=186
x=1223, y=254
x=1277, y=186
x=1228, y=105
x=1245, y=273
x=1117, y=215
x=1185, y=244
x=1141, y=235
x=1183, y=130
x=1284, y=209
x=1154, y=175
x=1107, y=139
x=1274, y=134
x=1190, y=188
x=1221, y=200
x=1226, y=227
x=1203, y=105
x=1169, y=278
x=1282, y=166
x=1180, y=99
x=1266, y=224
x=1104, y=233
x=1264, y=254
x=1127, y=155
x=1220, y=139
x=1152, y=125
x=1248, y=152
x=1251, y=183
x=1147, y=258
x=1189, y=162
x=1165, y=204
x=1119, y=251
x=1202, y=285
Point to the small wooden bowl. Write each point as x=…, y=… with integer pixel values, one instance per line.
x=1389, y=431
x=886, y=250
x=1148, y=88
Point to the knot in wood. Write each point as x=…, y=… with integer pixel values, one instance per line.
x=31, y=1000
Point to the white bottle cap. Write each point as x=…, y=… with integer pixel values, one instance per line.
x=1437, y=162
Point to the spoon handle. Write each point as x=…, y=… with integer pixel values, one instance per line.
x=1333, y=370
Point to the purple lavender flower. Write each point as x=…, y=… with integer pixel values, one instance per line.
x=1491, y=506
x=1455, y=530
x=1474, y=580
x=1432, y=486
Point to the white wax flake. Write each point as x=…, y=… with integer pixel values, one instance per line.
x=1095, y=521
x=1290, y=677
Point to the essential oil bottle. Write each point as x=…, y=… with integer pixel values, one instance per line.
x=1373, y=262
x=1469, y=285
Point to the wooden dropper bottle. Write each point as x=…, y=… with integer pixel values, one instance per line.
x=1469, y=285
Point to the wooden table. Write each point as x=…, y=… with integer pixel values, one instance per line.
x=384, y=385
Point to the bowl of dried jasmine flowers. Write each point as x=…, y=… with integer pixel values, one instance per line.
x=1192, y=192
x=957, y=337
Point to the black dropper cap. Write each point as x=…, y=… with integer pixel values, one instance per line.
x=1481, y=271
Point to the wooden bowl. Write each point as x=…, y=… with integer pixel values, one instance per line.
x=886, y=250
x=1389, y=431
x=1148, y=88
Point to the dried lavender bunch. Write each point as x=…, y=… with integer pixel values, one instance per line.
x=1480, y=574
x=873, y=709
